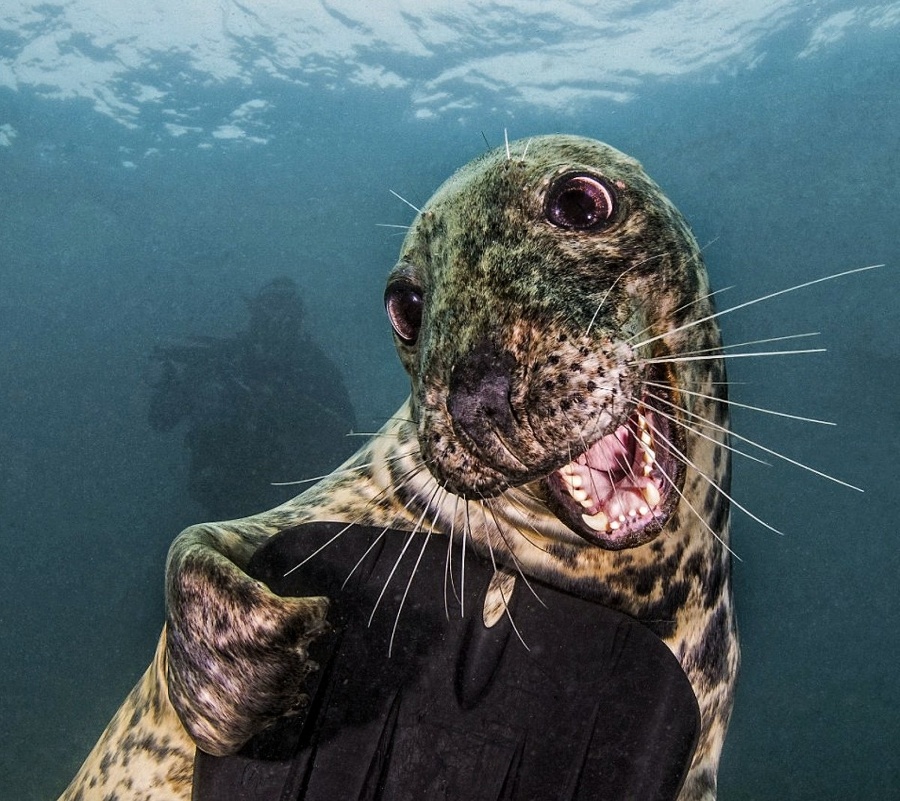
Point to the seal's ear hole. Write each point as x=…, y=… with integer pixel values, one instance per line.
x=580, y=202
x=404, y=303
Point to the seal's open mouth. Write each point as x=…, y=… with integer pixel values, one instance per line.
x=619, y=493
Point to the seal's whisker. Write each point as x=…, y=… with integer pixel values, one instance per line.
x=765, y=341
x=400, y=197
x=718, y=349
x=506, y=144
x=682, y=307
x=713, y=356
x=610, y=288
x=673, y=449
x=700, y=433
x=448, y=560
x=371, y=545
x=503, y=597
x=747, y=303
x=745, y=405
x=355, y=521
x=365, y=555
x=516, y=502
x=403, y=550
x=413, y=471
x=763, y=448
x=425, y=539
x=387, y=582
x=321, y=547
x=467, y=530
x=393, y=225
x=344, y=471
x=487, y=504
x=697, y=514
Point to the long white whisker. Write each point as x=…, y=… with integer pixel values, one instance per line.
x=744, y=405
x=683, y=307
x=462, y=578
x=718, y=348
x=400, y=197
x=503, y=597
x=426, y=537
x=770, y=339
x=322, y=547
x=512, y=553
x=699, y=433
x=506, y=142
x=757, y=300
x=673, y=449
x=619, y=277
x=678, y=359
x=399, y=559
x=699, y=517
x=360, y=516
x=517, y=502
x=410, y=473
x=355, y=469
x=362, y=558
x=393, y=225
x=387, y=582
x=448, y=560
x=761, y=447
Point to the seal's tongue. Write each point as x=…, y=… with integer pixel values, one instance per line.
x=613, y=480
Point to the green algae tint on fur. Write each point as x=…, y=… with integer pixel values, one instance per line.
x=536, y=303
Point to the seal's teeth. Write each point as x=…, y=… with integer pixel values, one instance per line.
x=649, y=455
x=646, y=438
x=598, y=522
x=614, y=525
x=573, y=481
x=567, y=470
x=651, y=494
x=578, y=494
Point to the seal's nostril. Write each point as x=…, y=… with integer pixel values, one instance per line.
x=480, y=388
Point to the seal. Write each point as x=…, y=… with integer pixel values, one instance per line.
x=567, y=419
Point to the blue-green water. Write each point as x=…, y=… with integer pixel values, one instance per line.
x=158, y=170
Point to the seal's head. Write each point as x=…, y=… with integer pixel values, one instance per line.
x=534, y=300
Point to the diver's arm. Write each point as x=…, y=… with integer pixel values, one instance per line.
x=230, y=639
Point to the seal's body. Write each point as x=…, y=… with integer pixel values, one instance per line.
x=540, y=304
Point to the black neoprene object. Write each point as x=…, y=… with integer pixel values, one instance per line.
x=595, y=708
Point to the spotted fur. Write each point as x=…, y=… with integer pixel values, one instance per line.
x=536, y=340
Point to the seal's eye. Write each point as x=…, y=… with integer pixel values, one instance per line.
x=580, y=202
x=404, y=303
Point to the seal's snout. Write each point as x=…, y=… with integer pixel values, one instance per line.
x=479, y=399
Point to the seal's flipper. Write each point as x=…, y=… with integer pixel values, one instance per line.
x=596, y=707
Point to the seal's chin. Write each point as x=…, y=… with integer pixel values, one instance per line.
x=620, y=492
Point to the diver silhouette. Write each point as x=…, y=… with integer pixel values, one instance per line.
x=263, y=405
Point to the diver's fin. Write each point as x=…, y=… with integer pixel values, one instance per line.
x=596, y=706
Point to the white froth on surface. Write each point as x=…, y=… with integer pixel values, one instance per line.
x=447, y=55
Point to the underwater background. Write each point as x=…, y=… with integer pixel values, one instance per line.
x=161, y=162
